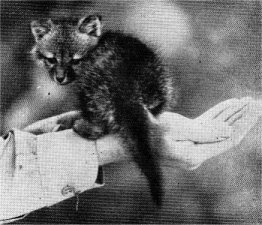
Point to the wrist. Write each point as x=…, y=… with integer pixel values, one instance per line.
x=110, y=149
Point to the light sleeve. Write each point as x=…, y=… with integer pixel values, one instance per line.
x=39, y=171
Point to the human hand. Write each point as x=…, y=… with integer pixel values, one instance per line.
x=212, y=126
x=234, y=117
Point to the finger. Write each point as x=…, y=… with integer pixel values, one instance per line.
x=69, y=117
x=51, y=124
x=249, y=118
x=231, y=111
x=231, y=121
x=247, y=101
x=237, y=113
x=36, y=129
x=218, y=109
x=221, y=107
x=58, y=128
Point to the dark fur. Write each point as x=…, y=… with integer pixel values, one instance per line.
x=122, y=78
x=119, y=81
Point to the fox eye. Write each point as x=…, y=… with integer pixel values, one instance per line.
x=75, y=61
x=51, y=60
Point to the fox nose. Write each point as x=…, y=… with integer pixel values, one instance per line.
x=60, y=79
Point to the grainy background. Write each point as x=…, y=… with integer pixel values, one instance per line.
x=213, y=51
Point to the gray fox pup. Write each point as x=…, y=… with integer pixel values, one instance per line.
x=119, y=80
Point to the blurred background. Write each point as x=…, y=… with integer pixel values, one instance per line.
x=212, y=49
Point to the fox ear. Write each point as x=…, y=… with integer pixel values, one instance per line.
x=90, y=25
x=40, y=29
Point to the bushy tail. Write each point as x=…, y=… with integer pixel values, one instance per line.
x=134, y=117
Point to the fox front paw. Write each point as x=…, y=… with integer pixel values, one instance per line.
x=88, y=130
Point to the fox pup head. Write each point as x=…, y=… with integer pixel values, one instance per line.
x=61, y=45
